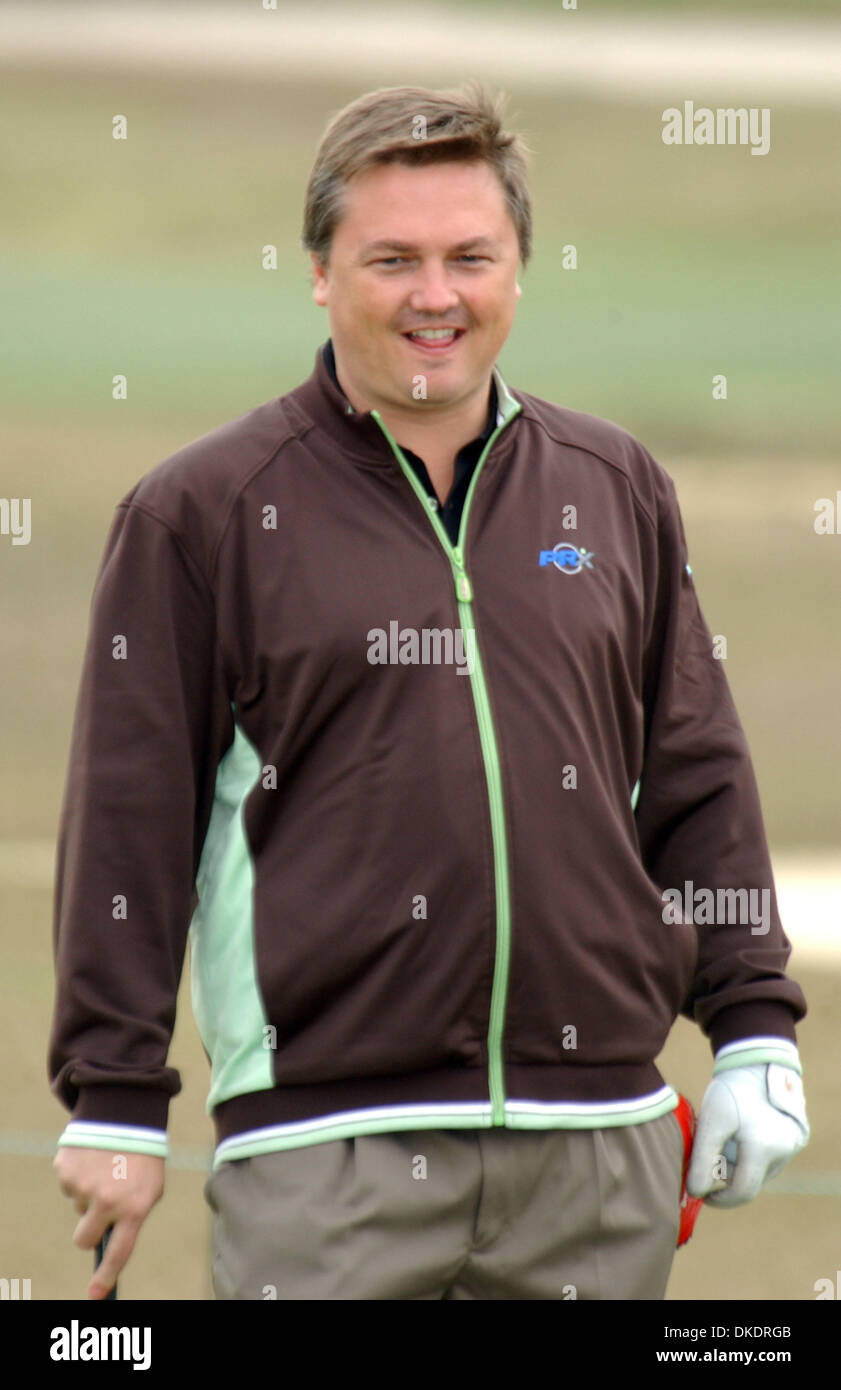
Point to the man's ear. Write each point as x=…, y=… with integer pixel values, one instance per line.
x=519, y=289
x=319, y=279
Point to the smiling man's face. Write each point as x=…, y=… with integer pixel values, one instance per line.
x=424, y=246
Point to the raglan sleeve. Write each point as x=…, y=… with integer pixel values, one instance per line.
x=152, y=720
x=699, y=821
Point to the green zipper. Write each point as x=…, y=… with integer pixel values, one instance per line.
x=464, y=596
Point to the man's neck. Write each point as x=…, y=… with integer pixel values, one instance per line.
x=436, y=436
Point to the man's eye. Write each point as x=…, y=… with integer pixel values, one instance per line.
x=464, y=256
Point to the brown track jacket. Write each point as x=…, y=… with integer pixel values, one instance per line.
x=420, y=808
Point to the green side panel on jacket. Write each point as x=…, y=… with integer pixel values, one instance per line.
x=223, y=972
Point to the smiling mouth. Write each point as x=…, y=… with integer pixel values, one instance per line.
x=434, y=340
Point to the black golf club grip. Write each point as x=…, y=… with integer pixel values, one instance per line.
x=100, y=1254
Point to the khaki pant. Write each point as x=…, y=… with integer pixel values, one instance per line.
x=482, y=1214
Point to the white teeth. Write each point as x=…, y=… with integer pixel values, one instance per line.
x=433, y=333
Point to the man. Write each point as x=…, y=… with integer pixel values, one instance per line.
x=398, y=694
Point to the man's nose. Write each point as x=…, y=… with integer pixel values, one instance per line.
x=432, y=290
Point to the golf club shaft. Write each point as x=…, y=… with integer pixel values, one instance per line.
x=100, y=1255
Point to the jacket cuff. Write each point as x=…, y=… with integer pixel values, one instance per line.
x=130, y=1139
x=741, y=1021
x=131, y=1119
x=752, y=1052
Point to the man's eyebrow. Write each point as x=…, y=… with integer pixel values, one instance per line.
x=485, y=242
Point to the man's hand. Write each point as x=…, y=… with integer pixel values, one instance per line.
x=106, y=1199
x=755, y=1118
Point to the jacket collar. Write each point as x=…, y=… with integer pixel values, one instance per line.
x=319, y=403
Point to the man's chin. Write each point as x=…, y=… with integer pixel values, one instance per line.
x=430, y=390
x=434, y=398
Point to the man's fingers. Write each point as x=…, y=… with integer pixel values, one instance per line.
x=748, y=1177
x=705, y=1169
x=94, y=1223
x=98, y=1219
x=109, y=1190
x=757, y=1163
x=718, y=1123
x=120, y=1245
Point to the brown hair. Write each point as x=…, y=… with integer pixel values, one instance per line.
x=382, y=127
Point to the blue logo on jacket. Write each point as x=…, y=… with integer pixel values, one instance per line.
x=567, y=558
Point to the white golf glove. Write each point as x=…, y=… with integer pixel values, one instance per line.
x=754, y=1119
